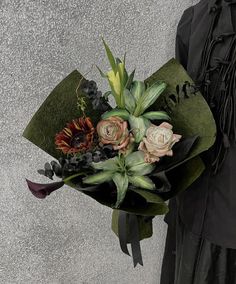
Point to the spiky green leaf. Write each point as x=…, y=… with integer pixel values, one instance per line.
x=130, y=80
x=101, y=72
x=110, y=57
x=121, y=70
x=138, y=127
x=156, y=115
x=135, y=158
x=107, y=165
x=142, y=169
x=149, y=97
x=121, y=181
x=136, y=164
x=147, y=122
x=122, y=113
x=142, y=181
x=137, y=89
x=99, y=177
x=129, y=101
x=107, y=94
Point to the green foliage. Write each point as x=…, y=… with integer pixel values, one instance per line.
x=129, y=99
x=121, y=181
x=118, y=77
x=132, y=96
x=59, y=108
x=123, y=170
x=137, y=89
x=142, y=182
x=156, y=115
x=189, y=117
x=145, y=228
x=124, y=114
x=100, y=177
x=138, y=127
x=110, y=57
x=136, y=101
x=149, y=97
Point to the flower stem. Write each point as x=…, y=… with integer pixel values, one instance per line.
x=71, y=177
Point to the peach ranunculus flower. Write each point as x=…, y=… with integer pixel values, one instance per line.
x=114, y=131
x=158, y=142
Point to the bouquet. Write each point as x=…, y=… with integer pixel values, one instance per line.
x=132, y=157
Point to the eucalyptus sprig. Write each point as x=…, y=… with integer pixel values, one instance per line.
x=123, y=170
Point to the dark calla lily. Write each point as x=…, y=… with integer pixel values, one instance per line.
x=41, y=190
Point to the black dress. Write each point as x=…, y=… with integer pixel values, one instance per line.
x=201, y=238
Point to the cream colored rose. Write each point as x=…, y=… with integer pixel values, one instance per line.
x=158, y=142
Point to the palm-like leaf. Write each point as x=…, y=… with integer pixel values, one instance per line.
x=121, y=181
x=107, y=165
x=142, y=182
x=122, y=113
x=98, y=178
x=110, y=57
x=138, y=126
x=149, y=97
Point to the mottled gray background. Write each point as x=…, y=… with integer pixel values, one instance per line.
x=67, y=238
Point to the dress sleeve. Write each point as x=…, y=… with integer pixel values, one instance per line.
x=182, y=37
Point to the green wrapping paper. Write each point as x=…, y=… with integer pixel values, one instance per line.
x=59, y=108
x=191, y=116
x=145, y=226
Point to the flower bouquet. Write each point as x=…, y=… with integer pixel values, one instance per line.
x=132, y=157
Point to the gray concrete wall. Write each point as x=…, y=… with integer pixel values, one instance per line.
x=67, y=237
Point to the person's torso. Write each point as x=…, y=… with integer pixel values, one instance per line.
x=208, y=206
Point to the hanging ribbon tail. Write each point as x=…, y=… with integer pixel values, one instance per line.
x=122, y=232
x=133, y=230
x=134, y=239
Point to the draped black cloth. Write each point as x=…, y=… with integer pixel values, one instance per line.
x=202, y=220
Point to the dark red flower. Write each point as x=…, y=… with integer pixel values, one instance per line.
x=76, y=137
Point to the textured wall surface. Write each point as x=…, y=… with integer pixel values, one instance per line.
x=67, y=238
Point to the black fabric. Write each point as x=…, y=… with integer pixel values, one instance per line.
x=189, y=259
x=205, y=34
x=201, y=238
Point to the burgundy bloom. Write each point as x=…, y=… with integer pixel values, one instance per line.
x=41, y=190
x=77, y=136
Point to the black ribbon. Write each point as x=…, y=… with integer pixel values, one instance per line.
x=133, y=230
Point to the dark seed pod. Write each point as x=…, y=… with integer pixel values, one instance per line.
x=61, y=160
x=109, y=151
x=98, y=101
x=87, y=159
x=41, y=172
x=97, y=156
x=56, y=168
x=47, y=166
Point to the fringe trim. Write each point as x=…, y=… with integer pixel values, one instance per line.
x=222, y=97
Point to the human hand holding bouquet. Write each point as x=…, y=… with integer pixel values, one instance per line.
x=127, y=157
